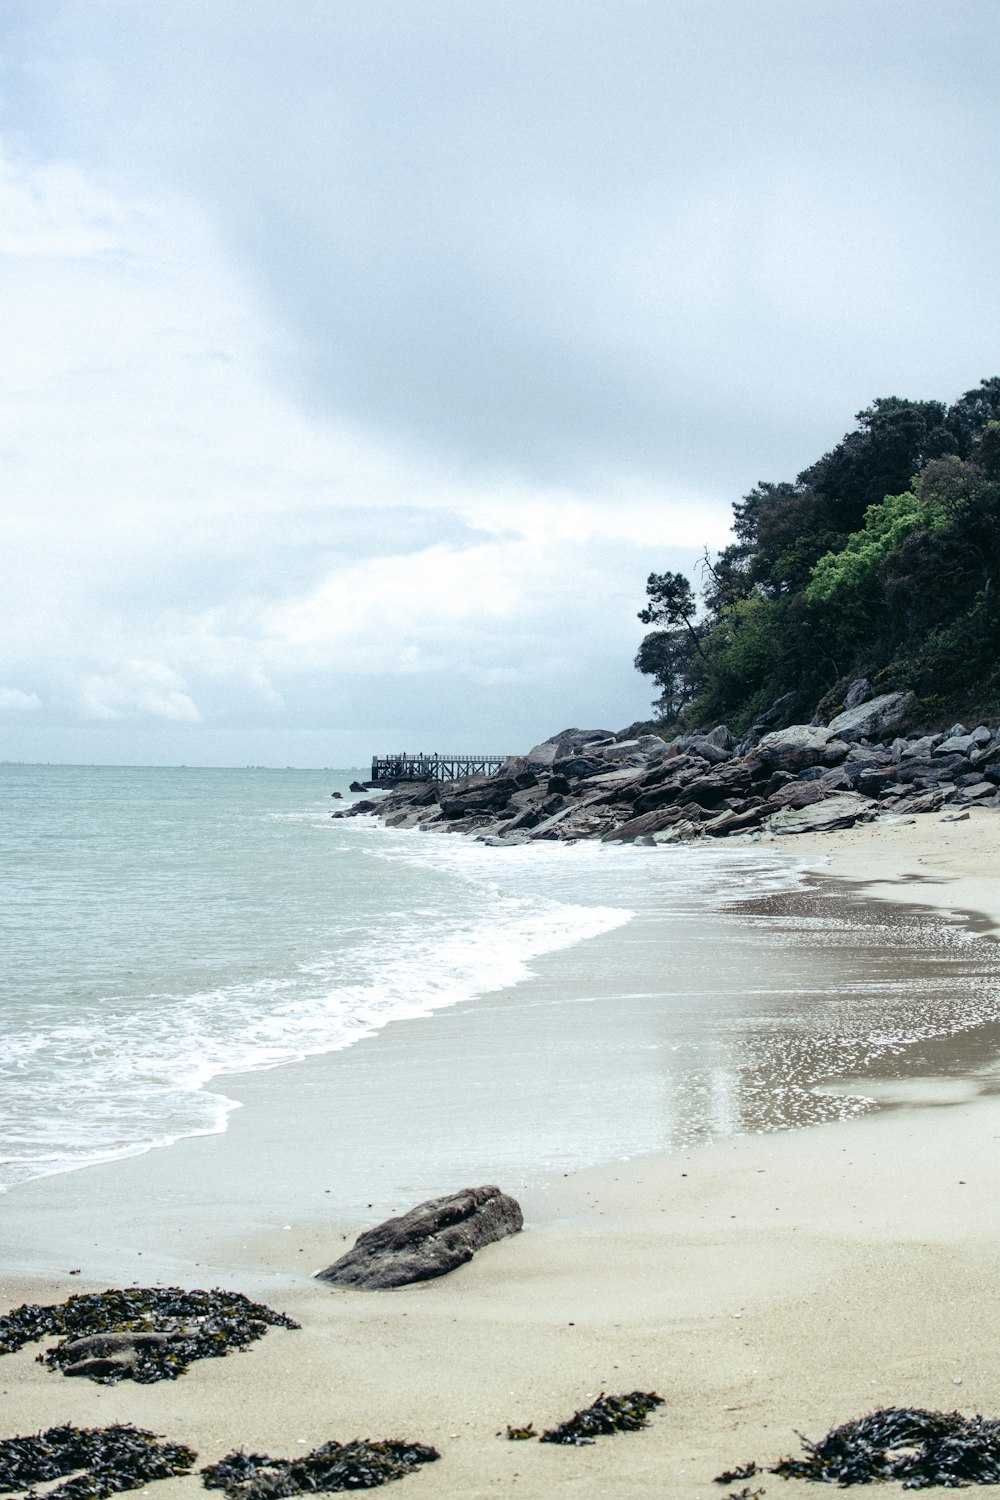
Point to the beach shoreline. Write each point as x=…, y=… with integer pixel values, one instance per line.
x=763, y=1284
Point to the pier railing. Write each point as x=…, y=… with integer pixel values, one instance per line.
x=390, y=769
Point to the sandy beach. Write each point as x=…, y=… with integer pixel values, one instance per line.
x=763, y=1285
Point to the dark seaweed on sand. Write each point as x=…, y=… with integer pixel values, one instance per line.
x=197, y=1325
x=361, y=1465
x=922, y=1448
x=608, y=1414
x=745, y=1471
x=102, y=1461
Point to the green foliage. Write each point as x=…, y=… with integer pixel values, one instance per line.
x=879, y=560
x=671, y=600
x=849, y=578
x=667, y=657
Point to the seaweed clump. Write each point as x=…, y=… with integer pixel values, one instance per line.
x=922, y=1448
x=745, y=1471
x=102, y=1461
x=139, y=1333
x=361, y=1465
x=608, y=1414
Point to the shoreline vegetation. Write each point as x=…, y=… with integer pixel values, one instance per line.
x=765, y=1286
x=878, y=561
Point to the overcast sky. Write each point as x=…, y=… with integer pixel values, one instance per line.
x=360, y=358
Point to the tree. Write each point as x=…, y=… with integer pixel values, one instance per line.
x=671, y=602
x=668, y=657
x=881, y=559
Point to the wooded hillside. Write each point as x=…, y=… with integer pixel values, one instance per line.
x=880, y=561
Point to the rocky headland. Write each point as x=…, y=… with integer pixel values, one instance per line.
x=780, y=778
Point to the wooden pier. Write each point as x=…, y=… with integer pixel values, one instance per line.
x=389, y=770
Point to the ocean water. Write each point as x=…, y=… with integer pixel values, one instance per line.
x=162, y=930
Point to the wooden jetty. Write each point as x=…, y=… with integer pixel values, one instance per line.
x=389, y=770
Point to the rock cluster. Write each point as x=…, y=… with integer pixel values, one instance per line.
x=596, y=784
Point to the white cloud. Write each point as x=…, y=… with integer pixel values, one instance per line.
x=380, y=362
x=14, y=701
x=139, y=688
x=54, y=210
x=184, y=545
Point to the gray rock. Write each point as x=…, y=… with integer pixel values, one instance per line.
x=626, y=749
x=566, y=742
x=779, y=715
x=931, y=768
x=402, y=819
x=923, y=801
x=869, y=755
x=644, y=825
x=720, y=736
x=976, y=792
x=539, y=755
x=842, y=810
x=798, y=794
x=872, y=781
x=957, y=744
x=733, y=822
x=875, y=719
x=924, y=744
x=678, y=833
x=837, y=780
x=859, y=692
x=706, y=748
x=800, y=746
x=432, y=1239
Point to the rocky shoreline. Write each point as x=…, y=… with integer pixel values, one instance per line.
x=627, y=788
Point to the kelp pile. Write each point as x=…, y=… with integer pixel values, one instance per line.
x=102, y=1461
x=140, y=1333
x=361, y=1465
x=921, y=1448
x=608, y=1414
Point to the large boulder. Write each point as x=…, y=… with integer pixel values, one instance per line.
x=779, y=714
x=798, y=794
x=931, y=768
x=432, y=1239
x=842, y=810
x=707, y=749
x=800, y=746
x=859, y=692
x=566, y=742
x=964, y=744
x=875, y=719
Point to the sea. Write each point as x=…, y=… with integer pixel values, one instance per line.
x=164, y=930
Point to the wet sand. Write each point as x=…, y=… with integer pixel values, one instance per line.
x=761, y=1285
